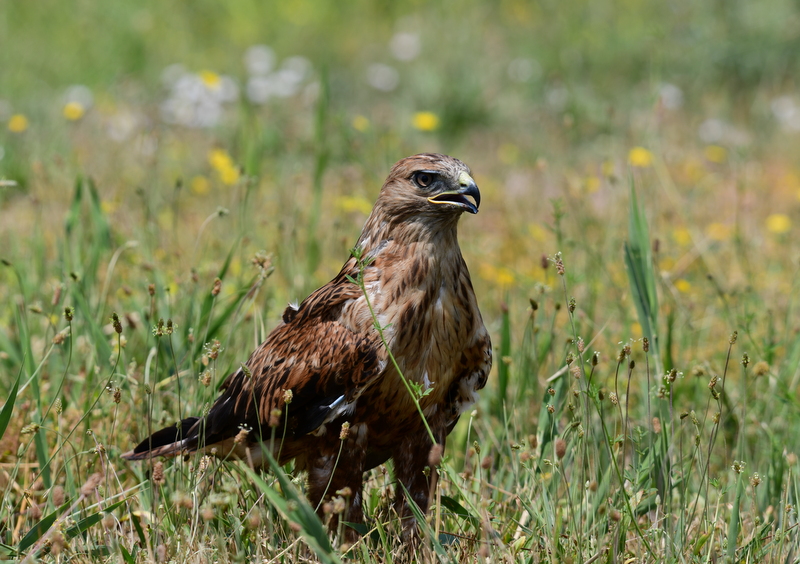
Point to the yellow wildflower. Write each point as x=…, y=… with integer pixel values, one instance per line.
x=236, y=267
x=18, y=123
x=229, y=176
x=716, y=154
x=778, y=223
x=537, y=232
x=682, y=236
x=502, y=276
x=683, y=286
x=354, y=204
x=210, y=79
x=360, y=123
x=221, y=161
x=200, y=185
x=607, y=168
x=426, y=121
x=640, y=157
x=592, y=184
x=508, y=153
x=719, y=231
x=74, y=111
x=109, y=206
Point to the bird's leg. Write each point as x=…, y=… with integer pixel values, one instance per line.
x=413, y=469
x=337, y=471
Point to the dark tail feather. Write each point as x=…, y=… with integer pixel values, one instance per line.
x=168, y=441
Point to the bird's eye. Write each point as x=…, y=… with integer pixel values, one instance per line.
x=423, y=179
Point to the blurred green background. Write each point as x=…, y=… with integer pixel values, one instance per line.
x=290, y=114
x=147, y=148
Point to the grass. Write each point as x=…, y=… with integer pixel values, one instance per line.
x=635, y=262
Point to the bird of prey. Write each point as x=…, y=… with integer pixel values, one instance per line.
x=402, y=307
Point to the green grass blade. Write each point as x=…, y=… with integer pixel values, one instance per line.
x=40, y=528
x=127, y=556
x=299, y=511
x=84, y=524
x=733, y=526
x=502, y=365
x=641, y=277
x=8, y=408
x=458, y=509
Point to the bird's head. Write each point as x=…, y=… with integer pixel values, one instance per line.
x=430, y=186
x=422, y=198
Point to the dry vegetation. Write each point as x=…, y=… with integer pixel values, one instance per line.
x=635, y=258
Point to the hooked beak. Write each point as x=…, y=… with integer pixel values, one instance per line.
x=467, y=187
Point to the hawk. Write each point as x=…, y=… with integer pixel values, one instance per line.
x=402, y=307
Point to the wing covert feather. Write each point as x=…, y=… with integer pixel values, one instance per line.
x=323, y=354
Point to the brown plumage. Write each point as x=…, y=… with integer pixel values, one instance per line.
x=328, y=352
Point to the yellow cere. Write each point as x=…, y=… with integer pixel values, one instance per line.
x=465, y=179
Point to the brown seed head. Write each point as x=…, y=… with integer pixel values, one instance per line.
x=116, y=323
x=761, y=368
x=57, y=543
x=561, y=448
x=91, y=484
x=275, y=417
x=345, y=431
x=35, y=512
x=254, y=520
x=559, y=265
x=656, y=425
x=108, y=522
x=435, y=455
x=217, y=287
x=241, y=436
x=57, y=496
x=158, y=473
x=339, y=505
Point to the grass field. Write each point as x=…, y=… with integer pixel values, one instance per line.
x=189, y=168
